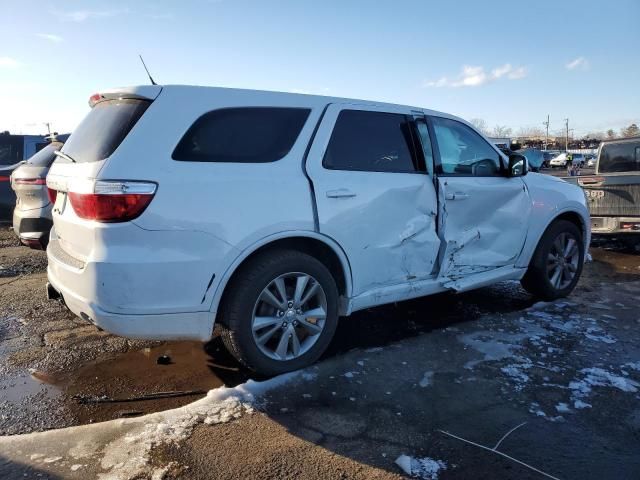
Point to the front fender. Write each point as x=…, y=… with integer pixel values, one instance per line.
x=551, y=197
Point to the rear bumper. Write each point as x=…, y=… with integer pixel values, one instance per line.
x=615, y=225
x=168, y=326
x=33, y=226
x=139, y=283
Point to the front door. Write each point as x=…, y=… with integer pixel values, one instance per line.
x=483, y=214
x=373, y=194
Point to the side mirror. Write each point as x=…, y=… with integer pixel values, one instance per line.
x=518, y=165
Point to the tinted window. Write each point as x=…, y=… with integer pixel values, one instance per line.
x=463, y=151
x=371, y=141
x=619, y=157
x=246, y=135
x=45, y=157
x=103, y=129
x=11, y=149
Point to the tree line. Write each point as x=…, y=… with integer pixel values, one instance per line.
x=531, y=132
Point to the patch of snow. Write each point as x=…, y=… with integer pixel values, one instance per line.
x=360, y=362
x=633, y=365
x=579, y=404
x=494, y=346
x=75, y=467
x=427, y=379
x=425, y=468
x=127, y=455
x=593, y=333
x=349, y=374
x=308, y=376
x=598, y=377
x=563, y=407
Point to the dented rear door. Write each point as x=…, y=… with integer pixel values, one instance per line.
x=483, y=215
x=373, y=195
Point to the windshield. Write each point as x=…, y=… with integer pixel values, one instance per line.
x=619, y=157
x=45, y=157
x=103, y=129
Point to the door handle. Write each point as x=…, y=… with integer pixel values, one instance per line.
x=340, y=193
x=456, y=196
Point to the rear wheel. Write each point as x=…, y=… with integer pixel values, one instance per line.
x=556, y=264
x=280, y=313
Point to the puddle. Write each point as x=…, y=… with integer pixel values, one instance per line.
x=112, y=388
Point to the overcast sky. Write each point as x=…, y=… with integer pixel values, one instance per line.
x=510, y=63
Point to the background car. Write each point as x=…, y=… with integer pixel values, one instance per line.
x=561, y=160
x=32, y=214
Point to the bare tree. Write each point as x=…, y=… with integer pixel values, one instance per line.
x=595, y=136
x=501, y=131
x=530, y=132
x=631, y=131
x=611, y=134
x=481, y=125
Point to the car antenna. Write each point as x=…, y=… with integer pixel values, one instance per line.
x=147, y=70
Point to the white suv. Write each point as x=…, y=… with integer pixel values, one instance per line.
x=272, y=214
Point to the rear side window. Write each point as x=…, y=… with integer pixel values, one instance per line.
x=103, y=129
x=45, y=156
x=242, y=135
x=619, y=157
x=371, y=141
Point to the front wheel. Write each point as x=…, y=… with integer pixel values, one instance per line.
x=281, y=312
x=557, y=262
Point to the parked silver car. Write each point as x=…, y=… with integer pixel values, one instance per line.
x=32, y=214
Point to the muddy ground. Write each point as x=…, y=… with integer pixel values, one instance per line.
x=474, y=365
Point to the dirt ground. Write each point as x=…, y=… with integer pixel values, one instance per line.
x=475, y=365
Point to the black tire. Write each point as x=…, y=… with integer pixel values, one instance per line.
x=536, y=281
x=240, y=300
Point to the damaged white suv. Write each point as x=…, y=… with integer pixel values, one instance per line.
x=272, y=214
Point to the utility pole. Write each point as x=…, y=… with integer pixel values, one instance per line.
x=48, y=127
x=546, y=137
x=566, y=139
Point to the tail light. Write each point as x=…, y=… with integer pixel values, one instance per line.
x=112, y=200
x=4, y=178
x=29, y=181
x=53, y=194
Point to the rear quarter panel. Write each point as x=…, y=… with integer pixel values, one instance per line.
x=235, y=204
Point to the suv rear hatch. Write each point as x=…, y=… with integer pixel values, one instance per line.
x=29, y=179
x=615, y=189
x=72, y=177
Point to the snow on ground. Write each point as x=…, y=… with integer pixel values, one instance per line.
x=427, y=379
x=598, y=377
x=123, y=447
x=425, y=468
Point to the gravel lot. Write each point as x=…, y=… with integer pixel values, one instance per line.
x=475, y=365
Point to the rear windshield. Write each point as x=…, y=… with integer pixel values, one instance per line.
x=103, y=129
x=45, y=157
x=619, y=157
x=244, y=135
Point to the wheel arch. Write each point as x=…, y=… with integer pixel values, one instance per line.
x=319, y=246
x=569, y=215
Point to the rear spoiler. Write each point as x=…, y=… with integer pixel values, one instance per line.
x=142, y=92
x=11, y=167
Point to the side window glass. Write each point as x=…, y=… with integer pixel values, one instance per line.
x=425, y=140
x=371, y=141
x=463, y=151
x=242, y=135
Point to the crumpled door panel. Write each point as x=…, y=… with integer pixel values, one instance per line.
x=485, y=227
